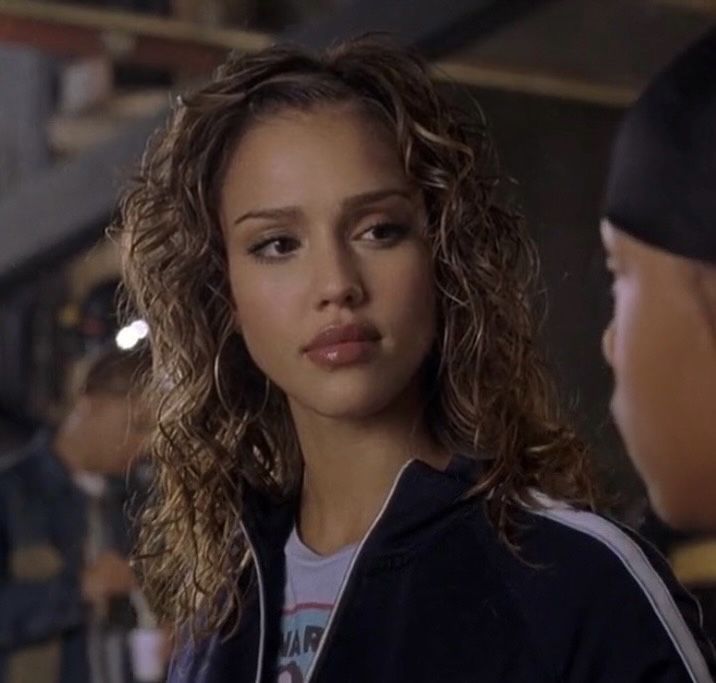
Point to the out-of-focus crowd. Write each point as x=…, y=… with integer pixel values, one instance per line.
x=71, y=608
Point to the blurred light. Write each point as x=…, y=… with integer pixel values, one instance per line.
x=128, y=337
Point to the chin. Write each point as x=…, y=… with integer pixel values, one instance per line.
x=352, y=408
x=349, y=402
x=683, y=507
x=678, y=515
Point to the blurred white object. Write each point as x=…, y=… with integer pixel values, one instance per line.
x=128, y=337
x=146, y=646
x=84, y=83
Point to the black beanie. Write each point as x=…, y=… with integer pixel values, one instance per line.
x=662, y=181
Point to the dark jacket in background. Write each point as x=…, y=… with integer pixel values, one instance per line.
x=433, y=596
x=42, y=527
x=47, y=525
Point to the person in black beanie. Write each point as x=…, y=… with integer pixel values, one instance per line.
x=659, y=232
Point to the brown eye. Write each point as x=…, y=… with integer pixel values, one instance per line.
x=274, y=248
x=385, y=232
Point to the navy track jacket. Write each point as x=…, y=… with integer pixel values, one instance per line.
x=433, y=596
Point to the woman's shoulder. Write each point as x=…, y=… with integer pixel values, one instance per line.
x=554, y=530
x=550, y=539
x=581, y=554
x=576, y=570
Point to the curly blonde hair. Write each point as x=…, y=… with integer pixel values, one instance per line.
x=222, y=427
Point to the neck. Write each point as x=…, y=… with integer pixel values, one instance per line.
x=350, y=467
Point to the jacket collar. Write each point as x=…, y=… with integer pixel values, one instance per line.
x=420, y=497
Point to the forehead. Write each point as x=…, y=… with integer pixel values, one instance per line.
x=661, y=269
x=331, y=148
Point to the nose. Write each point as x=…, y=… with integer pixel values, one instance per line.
x=608, y=344
x=337, y=278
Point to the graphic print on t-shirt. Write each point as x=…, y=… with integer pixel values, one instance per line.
x=301, y=632
x=312, y=585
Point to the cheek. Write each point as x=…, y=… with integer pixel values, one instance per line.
x=266, y=310
x=626, y=348
x=412, y=294
x=652, y=336
x=647, y=359
x=624, y=335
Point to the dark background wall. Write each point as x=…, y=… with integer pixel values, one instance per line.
x=558, y=153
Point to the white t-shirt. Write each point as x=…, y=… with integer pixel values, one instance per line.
x=312, y=585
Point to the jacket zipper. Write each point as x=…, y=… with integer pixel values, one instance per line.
x=262, y=606
x=346, y=579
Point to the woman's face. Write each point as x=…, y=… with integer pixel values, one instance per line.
x=661, y=349
x=330, y=273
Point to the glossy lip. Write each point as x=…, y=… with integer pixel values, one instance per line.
x=334, y=335
x=342, y=345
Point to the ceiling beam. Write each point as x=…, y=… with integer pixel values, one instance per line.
x=67, y=30
x=158, y=42
x=434, y=28
x=534, y=82
x=47, y=214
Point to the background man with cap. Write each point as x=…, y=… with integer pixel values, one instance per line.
x=659, y=232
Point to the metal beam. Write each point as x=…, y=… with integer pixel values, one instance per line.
x=434, y=28
x=127, y=37
x=73, y=30
x=535, y=82
x=69, y=30
x=47, y=214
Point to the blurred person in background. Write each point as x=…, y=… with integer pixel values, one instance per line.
x=64, y=541
x=659, y=232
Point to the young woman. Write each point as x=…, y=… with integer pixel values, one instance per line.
x=361, y=475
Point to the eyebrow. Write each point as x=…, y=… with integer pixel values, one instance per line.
x=349, y=204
